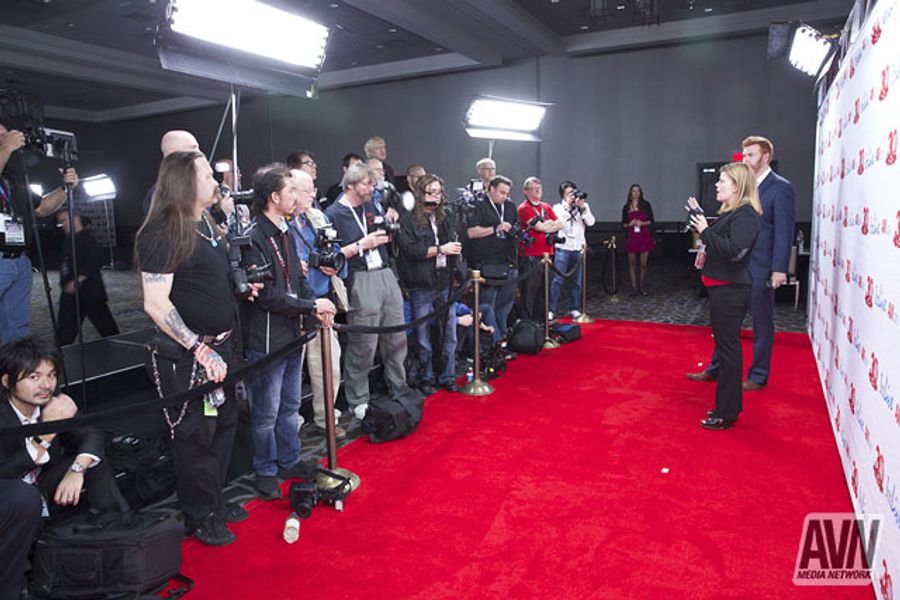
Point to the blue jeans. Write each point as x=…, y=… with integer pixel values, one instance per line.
x=15, y=298
x=274, y=413
x=501, y=298
x=565, y=260
x=423, y=302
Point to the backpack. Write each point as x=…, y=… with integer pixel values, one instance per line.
x=526, y=337
x=109, y=555
x=393, y=416
x=565, y=332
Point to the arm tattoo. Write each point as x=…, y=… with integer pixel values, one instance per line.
x=154, y=278
x=181, y=331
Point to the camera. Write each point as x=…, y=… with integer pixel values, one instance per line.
x=51, y=143
x=239, y=196
x=242, y=277
x=303, y=496
x=328, y=250
x=382, y=224
x=579, y=195
x=555, y=237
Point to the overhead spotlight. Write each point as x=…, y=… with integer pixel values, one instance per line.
x=243, y=42
x=490, y=117
x=99, y=187
x=809, y=50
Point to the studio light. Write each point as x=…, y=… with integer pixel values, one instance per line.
x=809, y=50
x=99, y=187
x=243, y=42
x=495, y=118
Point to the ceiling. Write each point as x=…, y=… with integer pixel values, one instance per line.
x=94, y=60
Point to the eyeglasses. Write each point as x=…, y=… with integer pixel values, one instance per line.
x=434, y=192
x=310, y=162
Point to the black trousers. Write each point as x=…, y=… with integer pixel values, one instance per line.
x=20, y=519
x=202, y=446
x=99, y=492
x=531, y=288
x=92, y=304
x=727, y=306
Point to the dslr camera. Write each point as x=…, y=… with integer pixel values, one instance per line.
x=553, y=238
x=242, y=277
x=382, y=224
x=328, y=250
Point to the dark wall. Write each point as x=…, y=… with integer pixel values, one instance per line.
x=646, y=116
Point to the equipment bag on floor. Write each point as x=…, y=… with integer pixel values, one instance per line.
x=393, y=416
x=526, y=337
x=565, y=332
x=109, y=555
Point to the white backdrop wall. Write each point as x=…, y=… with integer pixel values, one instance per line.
x=854, y=321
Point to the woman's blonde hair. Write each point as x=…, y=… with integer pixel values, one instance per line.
x=745, y=179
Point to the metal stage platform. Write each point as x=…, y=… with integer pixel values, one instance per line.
x=107, y=357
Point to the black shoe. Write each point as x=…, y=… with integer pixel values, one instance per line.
x=268, y=488
x=710, y=412
x=701, y=376
x=298, y=471
x=234, y=513
x=633, y=293
x=511, y=355
x=450, y=386
x=643, y=292
x=212, y=532
x=716, y=423
x=427, y=388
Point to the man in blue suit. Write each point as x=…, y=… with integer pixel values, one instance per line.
x=768, y=262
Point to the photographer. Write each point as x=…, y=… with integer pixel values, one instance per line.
x=176, y=140
x=429, y=247
x=492, y=234
x=306, y=228
x=186, y=282
x=385, y=195
x=539, y=223
x=374, y=294
x=17, y=233
x=575, y=215
x=274, y=321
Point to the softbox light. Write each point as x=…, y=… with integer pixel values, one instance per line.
x=243, y=42
x=494, y=118
x=809, y=50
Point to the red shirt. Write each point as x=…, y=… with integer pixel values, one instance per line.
x=527, y=211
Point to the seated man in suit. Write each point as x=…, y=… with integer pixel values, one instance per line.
x=62, y=466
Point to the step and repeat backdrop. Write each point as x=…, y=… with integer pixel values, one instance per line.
x=854, y=316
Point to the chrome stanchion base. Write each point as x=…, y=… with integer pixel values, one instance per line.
x=324, y=481
x=477, y=387
x=615, y=299
x=584, y=318
x=550, y=344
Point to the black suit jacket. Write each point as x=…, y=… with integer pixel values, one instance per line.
x=729, y=242
x=16, y=462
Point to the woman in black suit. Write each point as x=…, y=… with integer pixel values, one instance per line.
x=724, y=263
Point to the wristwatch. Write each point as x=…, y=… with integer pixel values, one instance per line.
x=77, y=467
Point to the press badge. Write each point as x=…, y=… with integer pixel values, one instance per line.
x=373, y=260
x=15, y=233
x=637, y=228
x=441, y=261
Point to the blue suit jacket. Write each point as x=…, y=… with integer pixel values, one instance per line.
x=772, y=251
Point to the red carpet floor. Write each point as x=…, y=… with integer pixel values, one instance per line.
x=553, y=487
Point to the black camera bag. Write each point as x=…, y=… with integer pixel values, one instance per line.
x=565, y=332
x=526, y=337
x=393, y=416
x=109, y=555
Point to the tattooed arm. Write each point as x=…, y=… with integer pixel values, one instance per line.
x=158, y=306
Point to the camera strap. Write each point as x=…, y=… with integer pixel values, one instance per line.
x=501, y=214
x=6, y=205
x=285, y=267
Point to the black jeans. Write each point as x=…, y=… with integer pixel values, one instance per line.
x=531, y=289
x=91, y=304
x=727, y=306
x=202, y=446
x=20, y=519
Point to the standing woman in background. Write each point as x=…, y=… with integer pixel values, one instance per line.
x=637, y=218
x=724, y=262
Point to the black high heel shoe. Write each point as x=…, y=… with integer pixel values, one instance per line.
x=716, y=423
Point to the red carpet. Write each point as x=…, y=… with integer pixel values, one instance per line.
x=552, y=487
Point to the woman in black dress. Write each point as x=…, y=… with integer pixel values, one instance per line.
x=724, y=260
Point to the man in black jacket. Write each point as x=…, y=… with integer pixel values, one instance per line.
x=61, y=466
x=274, y=320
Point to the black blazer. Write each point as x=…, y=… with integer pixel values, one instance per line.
x=729, y=242
x=413, y=242
x=15, y=462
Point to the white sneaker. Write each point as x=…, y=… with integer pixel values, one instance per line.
x=550, y=315
x=359, y=411
x=575, y=313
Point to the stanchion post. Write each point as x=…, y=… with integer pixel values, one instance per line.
x=549, y=342
x=477, y=387
x=323, y=480
x=611, y=249
x=584, y=317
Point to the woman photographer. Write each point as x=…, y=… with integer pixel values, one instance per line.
x=724, y=261
x=428, y=251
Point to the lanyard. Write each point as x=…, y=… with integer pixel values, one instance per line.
x=539, y=209
x=359, y=222
x=500, y=213
x=5, y=194
x=285, y=268
x=434, y=228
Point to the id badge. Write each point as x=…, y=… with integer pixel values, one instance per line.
x=700, y=259
x=373, y=260
x=15, y=233
x=637, y=228
x=3, y=219
x=441, y=261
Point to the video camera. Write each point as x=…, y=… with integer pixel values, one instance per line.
x=50, y=143
x=328, y=250
x=242, y=277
